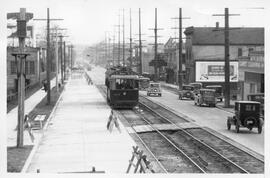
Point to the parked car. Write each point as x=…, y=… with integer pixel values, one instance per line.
x=218, y=91
x=205, y=97
x=247, y=114
x=154, y=89
x=197, y=86
x=259, y=97
x=186, y=92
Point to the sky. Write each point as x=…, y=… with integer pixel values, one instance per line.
x=87, y=20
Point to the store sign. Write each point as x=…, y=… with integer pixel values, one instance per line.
x=213, y=71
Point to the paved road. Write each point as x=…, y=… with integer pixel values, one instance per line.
x=213, y=118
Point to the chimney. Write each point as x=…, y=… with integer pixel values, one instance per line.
x=217, y=24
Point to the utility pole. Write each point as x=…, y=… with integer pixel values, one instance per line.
x=20, y=57
x=48, y=56
x=56, y=56
x=71, y=58
x=155, y=62
x=130, y=39
x=56, y=60
x=64, y=60
x=119, y=39
x=140, y=42
x=180, y=60
x=226, y=56
x=123, y=37
x=113, y=50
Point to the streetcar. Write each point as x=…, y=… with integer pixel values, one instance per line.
x=122, y=87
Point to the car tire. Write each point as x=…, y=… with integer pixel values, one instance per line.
x=228, y=124
x=259, y=129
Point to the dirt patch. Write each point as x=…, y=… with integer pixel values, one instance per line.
x=16, y=157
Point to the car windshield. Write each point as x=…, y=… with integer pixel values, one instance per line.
x=154, y=85
x=208, y=93
x=196, y=85
x=187, y=88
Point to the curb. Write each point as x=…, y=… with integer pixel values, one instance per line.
x=33, y=151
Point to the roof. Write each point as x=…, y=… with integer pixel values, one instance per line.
x=215, y=36
x=124, y=77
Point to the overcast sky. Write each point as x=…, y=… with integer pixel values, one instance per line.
x=87, y=20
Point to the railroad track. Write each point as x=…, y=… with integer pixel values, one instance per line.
x=189, y=150
x=243, y=160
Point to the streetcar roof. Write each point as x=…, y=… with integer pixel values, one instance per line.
x=124, y=77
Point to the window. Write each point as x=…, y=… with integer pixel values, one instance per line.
x=240, y=52
x=32, y=67
x=29, y=67
x=252, y=88
x=13, y=68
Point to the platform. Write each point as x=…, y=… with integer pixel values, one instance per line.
x=77, y=139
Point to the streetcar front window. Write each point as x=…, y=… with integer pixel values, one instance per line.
x=122, y=84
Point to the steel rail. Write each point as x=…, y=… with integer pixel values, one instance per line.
x=183, y=130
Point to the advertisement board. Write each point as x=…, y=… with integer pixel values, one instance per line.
x=213, y=71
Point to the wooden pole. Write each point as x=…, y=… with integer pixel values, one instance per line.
x=21, y=84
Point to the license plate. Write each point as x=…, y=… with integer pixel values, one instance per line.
x=249, y=122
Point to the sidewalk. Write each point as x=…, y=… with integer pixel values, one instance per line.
x=77, y=138
x=219, y=105
x=12, y=117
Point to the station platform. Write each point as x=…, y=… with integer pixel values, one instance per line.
x=12, y=117
x=77, y=139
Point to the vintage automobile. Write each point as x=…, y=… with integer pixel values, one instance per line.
x=143, y=83
x=186, y=92
x=247, y=114
x=197, y=86
x=257, y=97
x=218, y=91
x=154, y=89
x=205, y=97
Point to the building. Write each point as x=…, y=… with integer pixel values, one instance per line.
x=205, y=53
x=171, y=51
x=251, y=74
x=34, y=68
